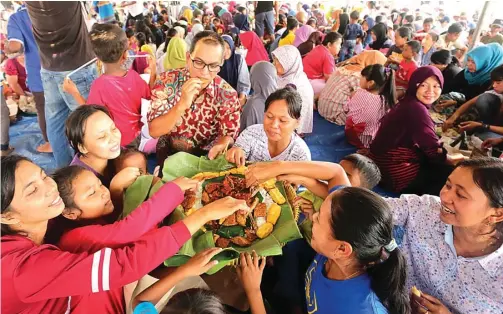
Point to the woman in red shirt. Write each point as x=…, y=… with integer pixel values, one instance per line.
x=40, y=278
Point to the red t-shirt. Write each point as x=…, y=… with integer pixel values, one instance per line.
x=122, y=96
x=318, y=62
x=405, y=72
x=13, y=67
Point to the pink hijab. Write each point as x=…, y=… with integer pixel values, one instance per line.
x=256, y=50
x=302, y=34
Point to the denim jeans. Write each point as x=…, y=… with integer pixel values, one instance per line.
x=347, y=51
x=59, y=105
x=264, y=18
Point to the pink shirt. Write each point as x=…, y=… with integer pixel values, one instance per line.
x=122, y=96
x=318, y=62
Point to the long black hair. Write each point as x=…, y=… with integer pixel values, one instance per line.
x=363, y=219
x=291, y=23
x=487, y=173
x=9, y=165
x=384, y=82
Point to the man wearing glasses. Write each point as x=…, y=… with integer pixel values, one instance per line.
x=193, y=109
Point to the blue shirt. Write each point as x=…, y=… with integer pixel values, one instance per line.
x=19, y=29
x=145, y=308
x=353, y=31
x=326, y=296
x=426, y=57
x=105, y=11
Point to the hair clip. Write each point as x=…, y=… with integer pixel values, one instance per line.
x=291, y=85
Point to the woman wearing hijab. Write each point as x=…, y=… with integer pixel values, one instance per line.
x=196, y=28
x=241, y=22
x=302, y=34
x=333, y=99
x=380, y=40
x=234, y=71
x=406, y=147
x=176, y=54
x=188, y=14
x=315, y=39
x=224, y=16
x=320, y=18
x=263, y=79
x=475, y=80
x=288, y=63
x=256, y=50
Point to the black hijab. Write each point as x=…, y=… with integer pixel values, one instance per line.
x=381, y=32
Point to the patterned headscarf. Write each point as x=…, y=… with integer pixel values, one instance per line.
x=290, y=59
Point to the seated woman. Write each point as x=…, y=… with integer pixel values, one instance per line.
x=234, y=71
x=319, y=64
x=376, y=96
x=315, y=39
x=406, y=147
x=452, y=242
x=358, y=267
x=176, y=55
x=333, y=100
x=263, y=82
x=488, y=110
x=380, y=39
x=289, y=67
x=29, y=200
x=449, y=65
x=276, y=138
x=288, y=36
x=256, y=51
x=476, y=78
x=95, y=140
x=302, y=34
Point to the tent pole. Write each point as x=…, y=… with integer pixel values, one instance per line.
x=480, y=22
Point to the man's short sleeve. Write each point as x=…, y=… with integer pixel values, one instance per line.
x=13, y=30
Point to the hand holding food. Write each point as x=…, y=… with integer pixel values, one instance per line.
x=236, y=155
x=125, y=178
x=260, y=172
x=190, y=90
x=186, y=184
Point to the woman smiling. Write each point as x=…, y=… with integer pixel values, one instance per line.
x=453, y=244
x=276, y=138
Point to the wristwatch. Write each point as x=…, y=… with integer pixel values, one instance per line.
x=486, y=126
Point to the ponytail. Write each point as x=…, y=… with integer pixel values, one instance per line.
x=363, y=219
x=384, y=82
x=291, y=24
x=387, y=280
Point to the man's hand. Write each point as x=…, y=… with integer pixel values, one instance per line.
x=469, y=125
x=190, y=90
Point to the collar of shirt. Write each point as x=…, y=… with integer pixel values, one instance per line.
x=492, y=263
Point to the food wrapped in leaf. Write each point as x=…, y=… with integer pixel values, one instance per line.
x=247, y=228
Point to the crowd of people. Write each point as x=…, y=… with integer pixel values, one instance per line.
x=116, y=84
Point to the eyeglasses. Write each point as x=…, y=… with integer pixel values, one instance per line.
x=200, y=65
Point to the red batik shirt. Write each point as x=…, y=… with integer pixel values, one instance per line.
x=215, y=113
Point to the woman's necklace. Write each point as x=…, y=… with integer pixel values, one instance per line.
x=353, y=275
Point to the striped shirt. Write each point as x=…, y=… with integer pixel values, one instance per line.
x=365, y=111
x=333, y=100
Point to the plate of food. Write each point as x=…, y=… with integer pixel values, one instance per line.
x=265, y=229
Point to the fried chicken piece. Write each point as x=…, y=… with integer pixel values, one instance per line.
x=222, y=242
x=241, y=218
x=212, y=187
x=260, y=210
x=189, y=200
x=230, y=221
x=241, y=241
x=205, y=198
x=250, y=235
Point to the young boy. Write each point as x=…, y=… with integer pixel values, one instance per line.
x=219, y=28
x=353, y=31
x=407, y=66
x=118, y=89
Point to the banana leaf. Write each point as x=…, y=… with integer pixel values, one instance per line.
x=285, y=230
x=306, y=226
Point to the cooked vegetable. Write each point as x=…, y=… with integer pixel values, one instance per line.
x=273, y=213
x=231, y=232
x=264, y=230
x=276, y=196
x=270, y=184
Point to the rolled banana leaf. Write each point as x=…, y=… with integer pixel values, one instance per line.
x=187, y=165
x=306, y=226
